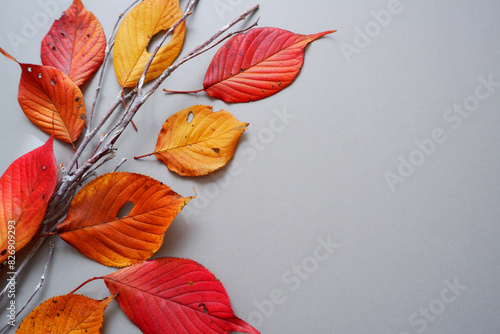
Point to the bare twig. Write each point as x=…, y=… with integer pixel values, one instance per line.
x=107, y=52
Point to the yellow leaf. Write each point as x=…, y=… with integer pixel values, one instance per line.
x=69, y=314
x=201, y=145
x=130, y=53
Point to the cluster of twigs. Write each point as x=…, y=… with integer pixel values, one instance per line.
x=104, y=151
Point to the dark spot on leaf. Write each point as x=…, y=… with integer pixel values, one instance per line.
x=191, y=283
x=205, y=310
x=43, y=197
x=63, y=34
x=54, y=301
x=3, y=252
x=216, y=150
x=78, y=99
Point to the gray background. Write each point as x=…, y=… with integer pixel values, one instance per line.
x=361, y=108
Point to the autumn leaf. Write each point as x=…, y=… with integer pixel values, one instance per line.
x=25, y=190
x=93, y=227
x=69, y=314
x=51, y=100
x=201, y=145
x=176, y=296
x=138, y=27
x=75, y=44
x=254, y=65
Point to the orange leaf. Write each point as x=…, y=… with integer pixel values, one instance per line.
x=25, y=190
x=256, y=64
x=70, y=314
x=201, y=145
x=75, y=44
x=130, y=53
x=93, y=227
x=51, y=100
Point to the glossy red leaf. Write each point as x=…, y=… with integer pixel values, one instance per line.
x=176, y=296
x=75, y=44
x=254, y=65
x=25, y=190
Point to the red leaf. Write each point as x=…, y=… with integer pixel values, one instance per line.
x=75, y=44
x=25, y=190
x=256, y=64
x=177, y=296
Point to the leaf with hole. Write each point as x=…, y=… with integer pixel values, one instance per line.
x=51, y=100
x=172, y=295
x=139, y=26
x=25, y=190
x=94, y=228
x=69, y=314
x=254, y=65
x=197, y=141
x=75, y=44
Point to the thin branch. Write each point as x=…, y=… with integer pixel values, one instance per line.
x=119, y=164
x=187, y=12
x=107, y=52
x=196, y=52
x=37, y=288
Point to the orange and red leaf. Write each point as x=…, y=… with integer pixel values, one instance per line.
x=75, y=44
x=254, y=65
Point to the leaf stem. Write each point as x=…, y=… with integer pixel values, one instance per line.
x=143, y=156
x=183, y=91
x=86, y=282
x=37, y=288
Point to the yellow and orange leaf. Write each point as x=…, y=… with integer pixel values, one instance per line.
x=69, y=314
x=94, y=228
x=51, y=100
x=138, y=27
x=199, y=146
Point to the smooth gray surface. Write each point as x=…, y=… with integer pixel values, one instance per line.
x=415, y=254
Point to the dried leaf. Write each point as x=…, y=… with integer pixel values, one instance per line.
x=75, y=44
x=130, y=53
x=256, y=64
x=201, y=145
x=69, y=314
x=176, y=296
x=51, y=100
x=93, y=227
x=25, y=190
